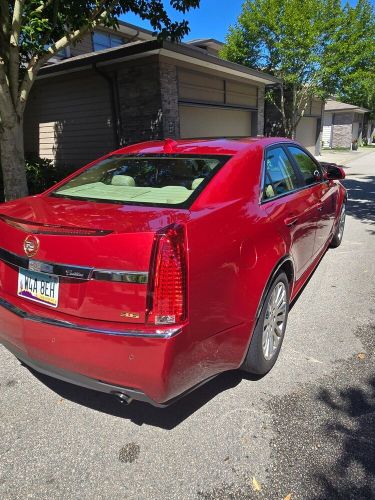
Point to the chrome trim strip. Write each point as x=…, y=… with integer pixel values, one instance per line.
x=73, y=271
x=159, y=333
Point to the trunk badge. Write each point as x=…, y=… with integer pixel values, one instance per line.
x=31, y=245
x=131, y=315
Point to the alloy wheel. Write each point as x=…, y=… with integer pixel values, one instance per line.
x=274, y=320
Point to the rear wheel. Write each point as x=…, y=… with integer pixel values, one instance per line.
x=337, y=237
x=269, y=332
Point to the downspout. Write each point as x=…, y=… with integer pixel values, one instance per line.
x=115, y=103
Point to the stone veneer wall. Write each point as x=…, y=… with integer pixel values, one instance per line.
x=148, y=96
x=169, y=100
x=342, y=130
x=140, y=100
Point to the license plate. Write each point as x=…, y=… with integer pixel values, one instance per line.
x=39, y=287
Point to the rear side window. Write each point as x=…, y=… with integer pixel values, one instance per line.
x=309, y=170
x=280, y=176
x=165, y=181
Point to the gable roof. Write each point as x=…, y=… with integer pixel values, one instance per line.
x=333, y=105
x=139, y=49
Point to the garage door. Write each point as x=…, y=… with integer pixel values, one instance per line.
x=306, y=133
x=211, y=121
x=327, y=130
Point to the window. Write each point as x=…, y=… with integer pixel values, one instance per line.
x=104, y=41
x=306, y=165
x=280, y=176
x=143, y=180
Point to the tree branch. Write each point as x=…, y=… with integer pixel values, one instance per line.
x=6, y=104
x=53, y=21
x=14, y=51
x=282, y=106
x=4, y=28
x=37, y=61
x=41, y=8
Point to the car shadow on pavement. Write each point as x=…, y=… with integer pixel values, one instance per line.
x=353, y=427
x=143, y=413
x=361, y=198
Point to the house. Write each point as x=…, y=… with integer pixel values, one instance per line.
x=309, y=127
x=342, y=124
x=117, y=88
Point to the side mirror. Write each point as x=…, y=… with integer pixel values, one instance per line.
x=333, y=172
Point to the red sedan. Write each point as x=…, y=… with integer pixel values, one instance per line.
x=163, y=264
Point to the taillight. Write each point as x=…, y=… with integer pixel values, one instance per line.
x=167, y=288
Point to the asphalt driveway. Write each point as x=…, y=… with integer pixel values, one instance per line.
x=306, y=430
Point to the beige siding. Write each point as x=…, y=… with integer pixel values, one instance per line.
x=48, y=139
x=316, y=107
x=200, y=87
x=241, y=94
x=82, y=47
x=68, y=119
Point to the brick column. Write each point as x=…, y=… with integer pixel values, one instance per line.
x=169, y=100
x=260, y=104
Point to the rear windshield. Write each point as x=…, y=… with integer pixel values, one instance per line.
x=165, y=181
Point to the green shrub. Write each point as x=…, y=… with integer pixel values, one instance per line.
x=40, y=172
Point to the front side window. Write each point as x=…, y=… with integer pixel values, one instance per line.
x=280, y=176
x=167, y=181
x=104, y=41
x=309, y=169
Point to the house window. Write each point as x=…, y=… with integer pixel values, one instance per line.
x=104, y=41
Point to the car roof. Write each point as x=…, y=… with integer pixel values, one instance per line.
x=222, y=146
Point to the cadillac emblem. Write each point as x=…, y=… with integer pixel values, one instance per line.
x=31, y=245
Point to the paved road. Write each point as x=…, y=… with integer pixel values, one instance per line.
x=306, y=429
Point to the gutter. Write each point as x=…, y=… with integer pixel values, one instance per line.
x=112, y=81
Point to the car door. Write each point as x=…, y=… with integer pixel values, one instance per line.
x=290, y=208
x=324, y=191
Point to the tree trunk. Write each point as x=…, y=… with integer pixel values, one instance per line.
x=13, y=162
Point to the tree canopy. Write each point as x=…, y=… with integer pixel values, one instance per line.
x=317, y=47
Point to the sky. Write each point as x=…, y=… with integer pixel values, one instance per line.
x=211, y=20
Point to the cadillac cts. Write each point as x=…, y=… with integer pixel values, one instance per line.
x=163, y=264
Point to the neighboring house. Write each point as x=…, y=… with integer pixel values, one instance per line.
x=117, y=88
x=309, y=127
x=342, y=124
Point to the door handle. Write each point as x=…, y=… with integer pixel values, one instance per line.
x=320, y=207
x=290, y=221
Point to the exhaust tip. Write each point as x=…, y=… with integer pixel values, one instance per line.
x=122, y=398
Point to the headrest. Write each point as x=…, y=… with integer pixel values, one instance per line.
x=122, y=180
x=196, y=182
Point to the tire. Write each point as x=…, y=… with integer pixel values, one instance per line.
x=339, y=231
x=261, y=355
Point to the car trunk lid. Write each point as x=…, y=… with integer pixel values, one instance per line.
x=100, y=253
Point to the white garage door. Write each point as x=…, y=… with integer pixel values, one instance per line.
x=306, y=133
x=327, y=130
x=210, y=121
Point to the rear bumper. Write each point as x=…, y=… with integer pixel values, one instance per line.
x=156, y=365
x=77, y=379
x=138, y=363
